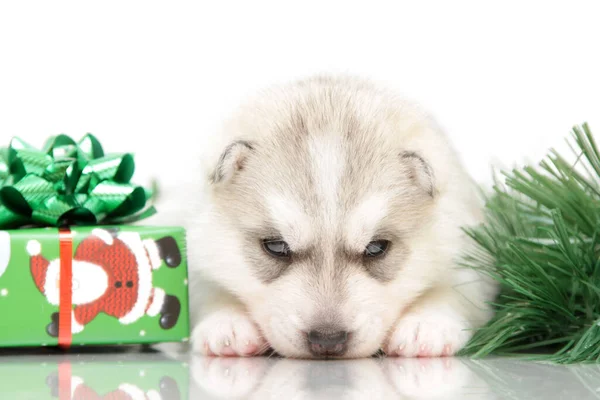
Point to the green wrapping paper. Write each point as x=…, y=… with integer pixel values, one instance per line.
x=128, y=283
x=129, y=286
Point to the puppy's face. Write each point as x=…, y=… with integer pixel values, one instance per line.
x=327, y=219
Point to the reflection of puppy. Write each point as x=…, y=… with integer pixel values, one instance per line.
x=227, y=378
x=261, y=378
x=434, y=378
x=392, y=378
x=332, y=229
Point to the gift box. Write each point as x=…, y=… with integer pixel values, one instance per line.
x=97, y=376
x=73, y=268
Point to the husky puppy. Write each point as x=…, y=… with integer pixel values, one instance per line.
x=330, y=226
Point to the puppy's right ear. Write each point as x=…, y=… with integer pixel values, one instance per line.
x=231, y=161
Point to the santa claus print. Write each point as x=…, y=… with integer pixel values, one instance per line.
x=112, y=274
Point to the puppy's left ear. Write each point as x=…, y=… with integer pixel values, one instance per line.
x=231, y=161
x=419, y=171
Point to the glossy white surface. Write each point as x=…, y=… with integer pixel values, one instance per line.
x=152, y=376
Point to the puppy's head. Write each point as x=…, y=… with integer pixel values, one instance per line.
x=331, y=210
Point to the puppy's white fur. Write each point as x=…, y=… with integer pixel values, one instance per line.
x=328, y=164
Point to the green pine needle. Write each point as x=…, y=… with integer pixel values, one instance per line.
x=541, y=244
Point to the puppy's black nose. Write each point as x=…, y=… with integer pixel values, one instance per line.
x=327, y=343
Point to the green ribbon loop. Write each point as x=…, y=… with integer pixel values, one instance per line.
x=68, y=183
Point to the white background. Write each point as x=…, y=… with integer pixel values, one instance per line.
x=506, y=79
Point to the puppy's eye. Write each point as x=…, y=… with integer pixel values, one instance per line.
x=276, y=248
x=376, y=248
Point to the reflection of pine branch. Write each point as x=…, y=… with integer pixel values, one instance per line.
x=514, y=379
x=541, y=243
x=589, y=376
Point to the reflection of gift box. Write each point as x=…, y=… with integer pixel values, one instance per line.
x=87, y=377
x=71, y=273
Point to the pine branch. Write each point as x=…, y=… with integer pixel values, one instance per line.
x=541, y=243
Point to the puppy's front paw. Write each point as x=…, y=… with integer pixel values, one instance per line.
x=228, y=333
x=428, y=333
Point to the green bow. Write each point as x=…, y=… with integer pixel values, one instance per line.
x=68, y=183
